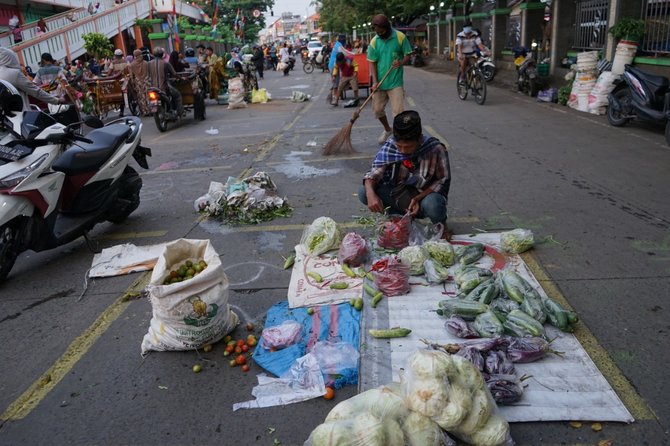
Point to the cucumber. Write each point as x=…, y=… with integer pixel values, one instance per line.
x=369, y=289
x=339, y=286
x=290, y=260
x=348, y=271
x=316, y=276
x=533, y=307
x=485, y=292
x=519, y=319
x=468, y=310
x=514, y=285
x=558, y=316
x=395, y=332
x=376, y=298
x=488, y=325
x=470, y=253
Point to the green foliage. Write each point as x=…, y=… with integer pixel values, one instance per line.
x=628, y=28
x=564, y=93
x=97, y=44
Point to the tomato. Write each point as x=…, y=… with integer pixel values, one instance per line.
x=273, y=349
x=227, y=339
x=245, y=348
x=330, y=393
x=240, y=342
x=232, y=363
x=230, y=348
x=226, y=353
x=251, y=341
x=250, y=326
x=238, y=349
x=240, y=360
x=245, y=368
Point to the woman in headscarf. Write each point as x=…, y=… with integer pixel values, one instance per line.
x=10, y=71
x=139, y=80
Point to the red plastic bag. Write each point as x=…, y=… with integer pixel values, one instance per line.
x=353, y=250
x=391, y=276
x=394, y=233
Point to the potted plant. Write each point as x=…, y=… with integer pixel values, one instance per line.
x=97, y=45
x=629, y=29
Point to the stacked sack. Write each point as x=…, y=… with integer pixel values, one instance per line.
x=585, y=80
x=598, y=96
x=439, y=393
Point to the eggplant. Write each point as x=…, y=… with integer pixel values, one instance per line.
x=458, y=327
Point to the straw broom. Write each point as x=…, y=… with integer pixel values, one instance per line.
x=341, y=142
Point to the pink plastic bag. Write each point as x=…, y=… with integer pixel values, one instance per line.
x=394, y=233
x=391, y=276
x=353, y=250
x=282, y=335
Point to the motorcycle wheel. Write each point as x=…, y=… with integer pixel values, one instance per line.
x=129, y=196
x=9, y=248
x=617, y=117
x=132, y=105
x=308, y=67
x=462, y=89
x=479, y=87
x=532, y=87
x=161, y=118
x=489, y=72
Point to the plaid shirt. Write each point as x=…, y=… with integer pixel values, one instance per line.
x=427, y=168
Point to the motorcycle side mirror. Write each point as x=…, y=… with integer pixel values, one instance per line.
x=93, y=122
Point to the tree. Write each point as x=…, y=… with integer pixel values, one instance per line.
x=97, y=45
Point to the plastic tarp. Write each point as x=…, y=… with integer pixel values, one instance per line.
x=329, y=322
x=567, y=388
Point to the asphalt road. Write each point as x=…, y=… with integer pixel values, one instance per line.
x=595, y=197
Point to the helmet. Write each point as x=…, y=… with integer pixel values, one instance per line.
x=10, y=98
x=190, y=52
x=118, y=52
x=159, y=52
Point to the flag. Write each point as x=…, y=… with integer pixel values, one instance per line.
x=175, y=29
x=214, y=20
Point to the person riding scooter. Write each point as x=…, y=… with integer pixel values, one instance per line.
x=160, y=74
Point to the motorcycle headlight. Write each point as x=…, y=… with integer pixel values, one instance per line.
x=153, y=96
x=13, y=179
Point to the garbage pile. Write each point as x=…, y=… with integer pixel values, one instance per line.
x=248, y=201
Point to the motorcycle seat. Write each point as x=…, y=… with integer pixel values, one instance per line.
x=85, y=157
x=657, y=84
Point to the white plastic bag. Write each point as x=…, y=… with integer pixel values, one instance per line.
x=321, y=236
x=236, y=93
x=335, y=357
x=188, y=314
x=282, y=335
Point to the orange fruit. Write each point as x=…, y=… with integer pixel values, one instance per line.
x=330, y=393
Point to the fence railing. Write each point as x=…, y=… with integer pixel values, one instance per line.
x=55, y=22
x=591, y=24
x=67, y=42
x=656, y=14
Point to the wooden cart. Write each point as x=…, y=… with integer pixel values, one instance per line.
x=108, y=94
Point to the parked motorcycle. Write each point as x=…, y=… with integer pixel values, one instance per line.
x=526, y=66
x=193, y=98
x=56, y=185
x=417, y=57
x=487, y=67
x=640, y=95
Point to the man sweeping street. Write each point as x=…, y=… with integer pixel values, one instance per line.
x=410, y=173
x=389, y=48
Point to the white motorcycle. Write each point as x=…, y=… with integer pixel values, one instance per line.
x=486, y=65
x=55, y=184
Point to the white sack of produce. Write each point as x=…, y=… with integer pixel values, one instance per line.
x=321, y=236
x=236, y=93
x=189, y=313
x=598, y=96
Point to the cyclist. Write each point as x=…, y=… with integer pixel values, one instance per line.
x=467, y=43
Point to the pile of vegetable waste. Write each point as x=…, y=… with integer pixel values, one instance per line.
x=251, y=200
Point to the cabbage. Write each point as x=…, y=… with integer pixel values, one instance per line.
x=414, y=256
x=431, y=364
x=516, y=241
x=364, y=429
x=380, y=402
x=441, y=251
x=466, y=374
x=393, y=433
x=456, y=410
x=427, y=396
x=478, y=415
x=422, y=431
x=435, y=273
x=321, y=236
x=494, y=433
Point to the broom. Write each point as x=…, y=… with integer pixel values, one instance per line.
x=341, y=142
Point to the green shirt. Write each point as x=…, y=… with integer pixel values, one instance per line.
x=384, y=52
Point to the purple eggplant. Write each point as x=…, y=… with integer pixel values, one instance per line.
x=528, y=349
x=474, y=356
x=497, y=363
x=458, y=327
x=505, y=389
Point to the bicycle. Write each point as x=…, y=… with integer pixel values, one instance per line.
x=475, y=81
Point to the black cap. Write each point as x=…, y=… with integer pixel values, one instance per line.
x=47, y=57
x=407, y=126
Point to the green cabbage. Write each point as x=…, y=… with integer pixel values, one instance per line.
x=516, y=241
x=441, y=251
x=435, y=273
x=422, y=431
x=414, y=256
x=321, y=236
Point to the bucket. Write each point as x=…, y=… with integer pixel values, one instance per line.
x=624, y=55
x=543, y=69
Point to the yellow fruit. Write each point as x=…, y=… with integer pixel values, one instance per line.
x=197, y=368
x=207, y=348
